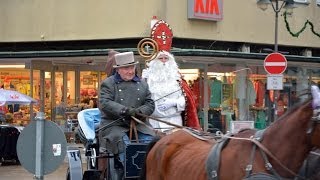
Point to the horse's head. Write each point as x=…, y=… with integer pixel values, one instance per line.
x=314, y=129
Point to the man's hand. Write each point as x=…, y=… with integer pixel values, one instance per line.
x=168, y=103
x=128, y=112
x=131, y=111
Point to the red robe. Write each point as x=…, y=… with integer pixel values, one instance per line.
x=190, y=117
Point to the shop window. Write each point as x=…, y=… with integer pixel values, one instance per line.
x=47, y=95
x=89, y=89
x=18, y=79
x=71, y=88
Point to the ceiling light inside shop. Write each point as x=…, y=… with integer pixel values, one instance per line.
x=189, y=71
x=47, y=75
x=189, y=74
x=12, y=66
x=214, y=74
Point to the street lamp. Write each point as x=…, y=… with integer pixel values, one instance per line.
x=276, y=6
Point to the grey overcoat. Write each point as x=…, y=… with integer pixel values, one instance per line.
x=114, y=96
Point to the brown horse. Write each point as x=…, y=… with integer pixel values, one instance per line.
x=288, y=141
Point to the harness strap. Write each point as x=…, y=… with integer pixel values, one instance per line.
x=202, y=135
x=130, y=131
x=268, y=165
x=133, y=127
x=213, y=159
x=135, y=131
x=250, y=165
x=262, y=147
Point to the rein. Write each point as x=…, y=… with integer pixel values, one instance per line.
x=167, y=95
x=196, y=133
x=157, y=119
x=109, y=125
x=141, y=122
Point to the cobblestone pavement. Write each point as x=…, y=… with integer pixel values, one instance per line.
x=17, y=172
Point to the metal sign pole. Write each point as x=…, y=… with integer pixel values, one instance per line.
x=39, y=145
x=275, y=104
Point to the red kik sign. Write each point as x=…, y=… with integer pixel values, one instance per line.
x=211, y=10
x=211, y=6
x=275, y=63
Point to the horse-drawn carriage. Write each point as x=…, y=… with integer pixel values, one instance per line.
x=102, y=165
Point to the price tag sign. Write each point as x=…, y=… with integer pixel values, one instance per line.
x=275, y=82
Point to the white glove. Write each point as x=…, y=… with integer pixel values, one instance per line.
x=145, y=73
x=168, y=103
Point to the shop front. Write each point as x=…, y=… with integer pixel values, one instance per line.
x=225, y=88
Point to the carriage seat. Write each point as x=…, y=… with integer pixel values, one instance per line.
x=89, y=121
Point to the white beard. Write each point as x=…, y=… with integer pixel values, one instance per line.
x=163, y=78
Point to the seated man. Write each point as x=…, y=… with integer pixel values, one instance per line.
x=122, y=96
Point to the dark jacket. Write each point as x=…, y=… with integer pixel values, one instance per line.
x=115, y=95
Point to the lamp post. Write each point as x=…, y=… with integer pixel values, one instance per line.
x=277, y=5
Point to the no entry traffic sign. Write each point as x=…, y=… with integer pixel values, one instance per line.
x=275, y=63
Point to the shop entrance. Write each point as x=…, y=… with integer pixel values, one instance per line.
x=64, y=89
